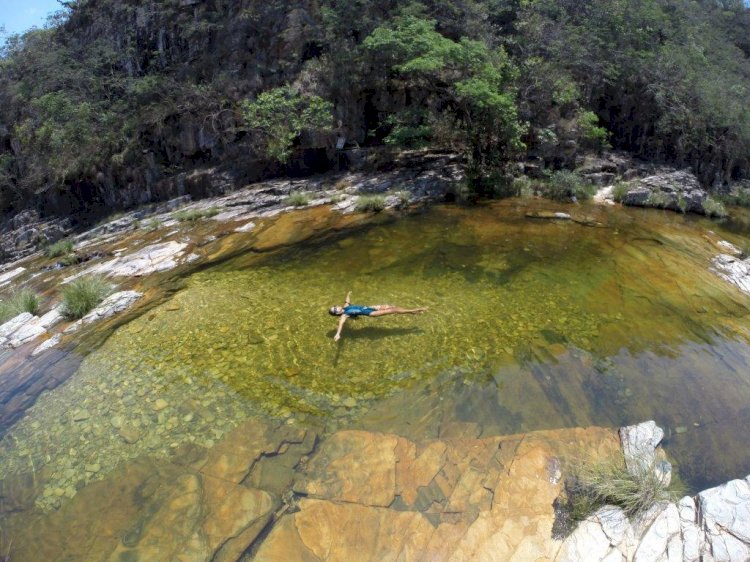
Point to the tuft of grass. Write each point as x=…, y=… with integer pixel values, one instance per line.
x=370, y=203
x=619, y=191
x=297, y=199
x=609, y=482
x=682, y=204
x=83, y=294
x=714, y=208
x=404, y=197
x=193, y=215
x=23, y=300
x=59, y=248
x=153, y=224
x=658, y=199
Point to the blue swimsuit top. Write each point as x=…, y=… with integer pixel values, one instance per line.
x=356, y=310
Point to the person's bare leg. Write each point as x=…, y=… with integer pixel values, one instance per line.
x=397, y=310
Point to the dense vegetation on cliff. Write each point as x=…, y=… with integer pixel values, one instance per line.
x=114, y=94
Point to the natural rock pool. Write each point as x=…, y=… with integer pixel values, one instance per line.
x=532, y=324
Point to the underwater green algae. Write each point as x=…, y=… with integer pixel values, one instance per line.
x=499, y=291
x=532, y=324
x=264, y=330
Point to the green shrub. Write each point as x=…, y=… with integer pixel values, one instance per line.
x=297, y=199
x=153, y=224
x=658, y=199
x=742, y=198
x=83, y=294
x=522, y=187
x=59, y=248
x=370, y=203
x=565, y=185
x=20, y=301
x=404, y=197
x=714, y=208
x=609, y=482
x=619, y=191
x=193, y=215
x=70, y=259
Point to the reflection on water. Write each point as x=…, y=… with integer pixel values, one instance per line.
x=532, y=324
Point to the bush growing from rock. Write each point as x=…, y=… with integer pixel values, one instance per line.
x=297, y=199
x=370, y=203
x=59, y=248
x=192, y=215
x=83, y=294
x=18, y=302
x=609, y=482
x=714, y=208
x=658, y=199
x=619, y=191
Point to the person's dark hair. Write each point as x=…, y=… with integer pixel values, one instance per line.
x=332, y=311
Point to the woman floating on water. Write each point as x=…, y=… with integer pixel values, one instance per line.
x=353, y=310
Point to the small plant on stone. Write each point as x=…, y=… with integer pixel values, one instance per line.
x=370, y=203
x=404, y=197
x=83, y=294
x=610, y=482
x=619, y=191
x=23, y=300
x=682, y=204
x=297, y=199
x=657, y=199
x=193, y=215
x=153, y=224
x=714, y=208
x=59, y=248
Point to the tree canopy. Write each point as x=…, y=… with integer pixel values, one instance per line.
x=113, y=93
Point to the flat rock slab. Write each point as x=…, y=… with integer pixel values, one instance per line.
x=7, y=276
x=150, y=259
x=14, y=324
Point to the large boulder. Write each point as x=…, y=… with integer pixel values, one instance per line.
x=673, y=190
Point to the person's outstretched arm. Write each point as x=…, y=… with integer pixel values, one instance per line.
x=337, y=337
x=347, y=301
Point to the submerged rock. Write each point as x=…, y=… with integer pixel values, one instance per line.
x=48, y=344
x=113, y=304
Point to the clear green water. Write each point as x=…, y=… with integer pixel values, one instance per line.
x=532, y=324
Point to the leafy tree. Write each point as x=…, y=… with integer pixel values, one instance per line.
x=278, y=117
x=463, y=81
